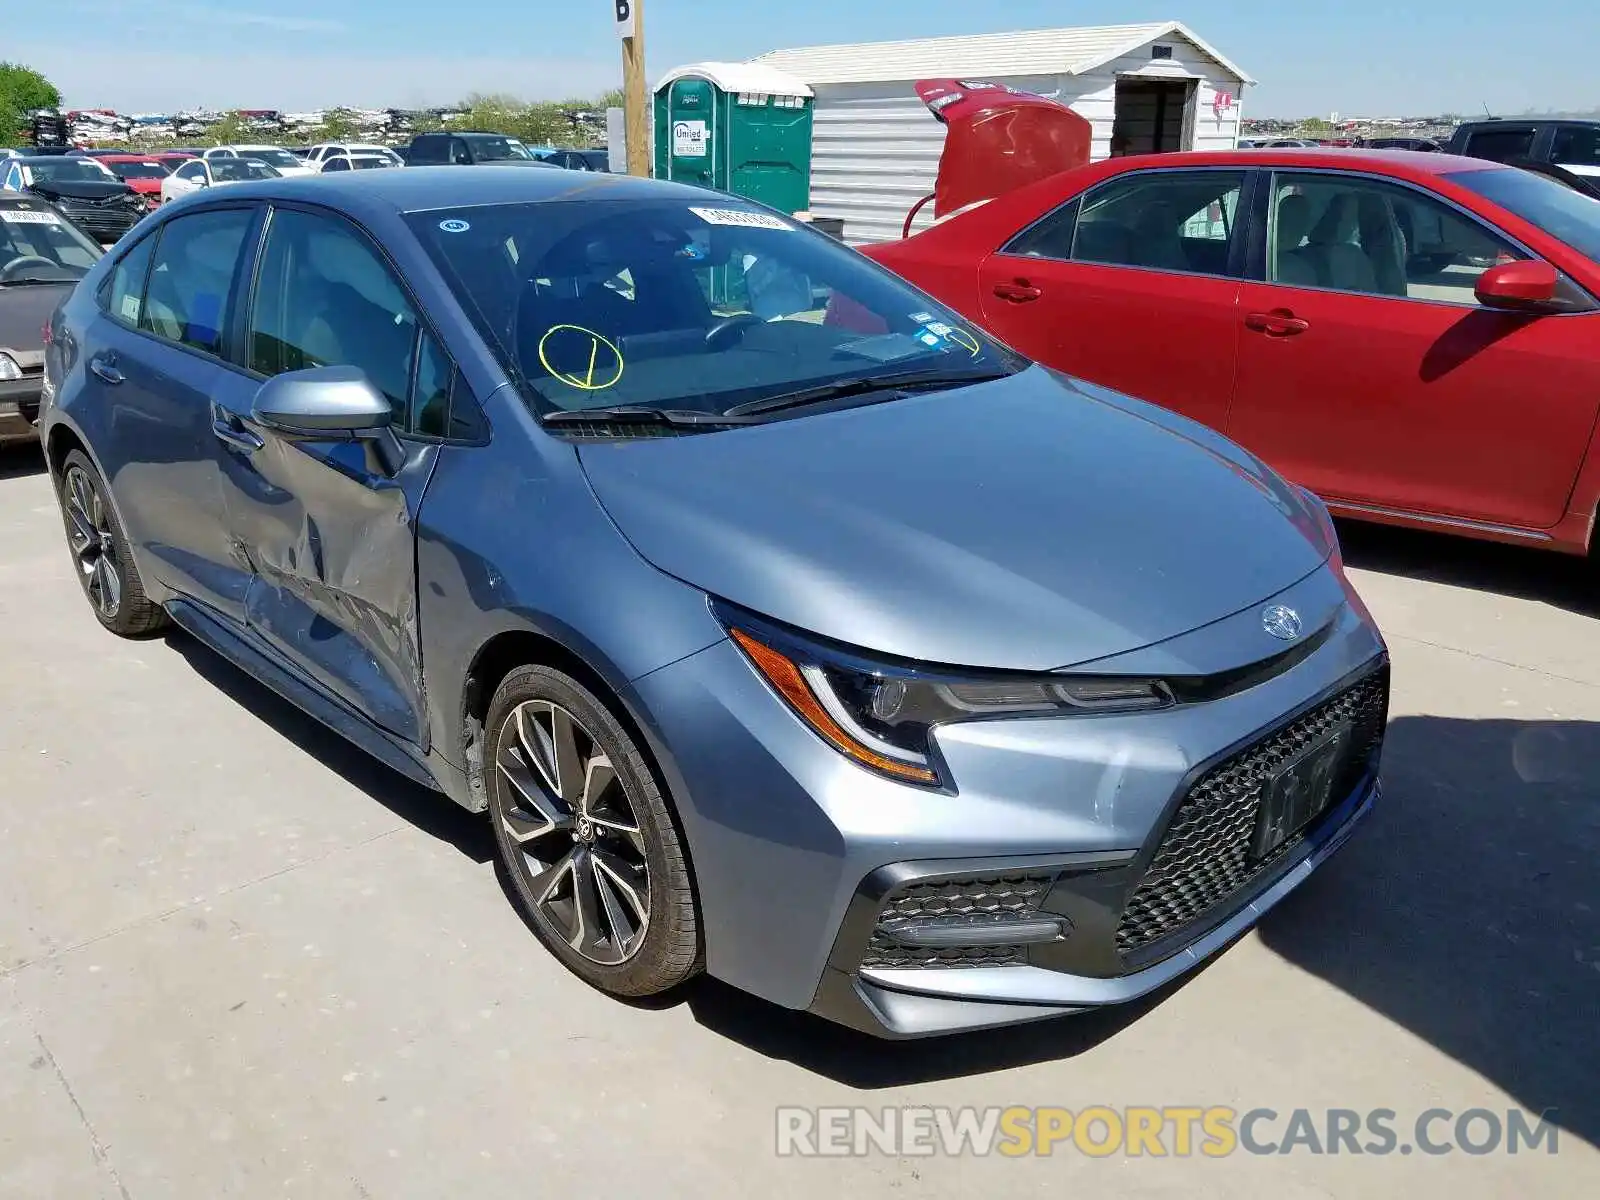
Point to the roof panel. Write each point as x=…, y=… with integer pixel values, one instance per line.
x=1026, y=52
x=741, y=77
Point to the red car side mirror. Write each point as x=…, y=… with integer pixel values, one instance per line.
x=1527, y=286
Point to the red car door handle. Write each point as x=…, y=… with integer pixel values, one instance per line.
x=1019, y=292
x=1278, y=323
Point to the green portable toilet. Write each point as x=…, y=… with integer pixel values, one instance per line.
x=743, y=128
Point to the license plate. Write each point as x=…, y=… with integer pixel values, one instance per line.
x=1299, y=792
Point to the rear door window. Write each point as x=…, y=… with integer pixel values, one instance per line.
x=122, y=295
x=1499, y=145
x=192, y=278
x=1158, y=220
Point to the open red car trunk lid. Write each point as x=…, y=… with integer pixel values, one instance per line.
x=999, y=139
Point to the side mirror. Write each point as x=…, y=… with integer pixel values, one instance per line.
x=323, y=403
x=1530, y=286
x=329, y=404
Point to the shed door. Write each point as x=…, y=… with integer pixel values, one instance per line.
x=691, y=130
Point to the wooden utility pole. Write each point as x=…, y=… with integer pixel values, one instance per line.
x=636, y=93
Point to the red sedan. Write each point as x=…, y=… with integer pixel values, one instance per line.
x=1415, y=337
x=142, y=172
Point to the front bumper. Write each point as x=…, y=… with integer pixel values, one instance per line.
x=19, y=407
x=802, y=860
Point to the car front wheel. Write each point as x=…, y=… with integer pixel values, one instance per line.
x=595, y=860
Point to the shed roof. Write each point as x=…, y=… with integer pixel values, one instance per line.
x=1027, y=52
x=741, y=77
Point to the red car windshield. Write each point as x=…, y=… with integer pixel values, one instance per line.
x=1559, y=210
x=138, y=170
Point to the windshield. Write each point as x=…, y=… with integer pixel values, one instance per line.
x=704, y=307
x=138, y=170
x=272, y=157
x=33, y=231
x=493, y=149
x=58, y=169
x=232, y=170
x=1554, y=207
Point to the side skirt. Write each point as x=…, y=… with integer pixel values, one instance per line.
x=258, y=660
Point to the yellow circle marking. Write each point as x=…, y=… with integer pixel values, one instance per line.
x=966, y=341
x=585, y=382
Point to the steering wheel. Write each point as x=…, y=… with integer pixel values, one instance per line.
x=728, y=325
x=17, y=265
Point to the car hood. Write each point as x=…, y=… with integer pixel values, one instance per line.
x=79, y=189
x=1030, y=523
x=23, y=312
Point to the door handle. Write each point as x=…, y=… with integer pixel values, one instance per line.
x=240, y=439
x=1020, y=292
x=1280, y=322
x=105, y=366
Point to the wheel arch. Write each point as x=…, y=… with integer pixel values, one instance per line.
x=509, y=649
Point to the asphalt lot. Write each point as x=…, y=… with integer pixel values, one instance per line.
x=237, y=958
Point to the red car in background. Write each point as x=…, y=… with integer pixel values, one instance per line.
x=142, y=172
x=1415, y=337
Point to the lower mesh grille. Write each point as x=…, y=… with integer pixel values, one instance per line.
x=969, y=901
x=1204, y=859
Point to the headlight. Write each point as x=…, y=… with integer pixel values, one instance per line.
x=882, y=715
x=8, y=369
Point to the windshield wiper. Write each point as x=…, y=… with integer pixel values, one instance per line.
x=640, y=414
x=889, y=387
x=31, y=279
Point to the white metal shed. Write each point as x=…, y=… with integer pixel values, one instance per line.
x=875, y=147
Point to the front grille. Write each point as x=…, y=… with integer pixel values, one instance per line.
x=115, y=218
x=1204, y=859
x=971, y=900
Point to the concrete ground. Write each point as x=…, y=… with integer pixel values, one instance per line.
x=238, y=959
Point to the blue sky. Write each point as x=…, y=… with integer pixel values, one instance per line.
x=1358, y=56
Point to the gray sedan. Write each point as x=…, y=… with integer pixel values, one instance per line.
x=786, y=626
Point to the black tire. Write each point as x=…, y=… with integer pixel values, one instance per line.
x=664, y=952
x=100, y=553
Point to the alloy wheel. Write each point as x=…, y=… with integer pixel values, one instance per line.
x=568, y=814
x=93, y=543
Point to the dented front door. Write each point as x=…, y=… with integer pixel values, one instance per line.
x=330, y=540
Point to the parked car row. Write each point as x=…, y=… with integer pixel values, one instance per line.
x=1001, y=774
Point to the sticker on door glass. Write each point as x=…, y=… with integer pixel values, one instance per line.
x=740, y=217
x=580, y=358
x=454, y=225
x=689, y=139
x=130, y=309
x=28, y=216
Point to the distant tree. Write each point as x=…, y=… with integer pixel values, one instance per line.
x=338, y=126
x=22, y=89
x=1315, y=125
x=227, y=131
x=612, y=99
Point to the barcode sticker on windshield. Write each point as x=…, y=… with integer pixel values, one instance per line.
x=28, y=216
x=740, y=217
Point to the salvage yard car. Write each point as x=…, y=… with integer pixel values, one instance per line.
x=42, y=257
x=274, y=156
x=200, y=173
x=81, y=189
x=787, y=626
x=1355, y=318
x=470, y=148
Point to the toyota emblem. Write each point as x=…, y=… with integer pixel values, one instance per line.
x=1281, y=621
